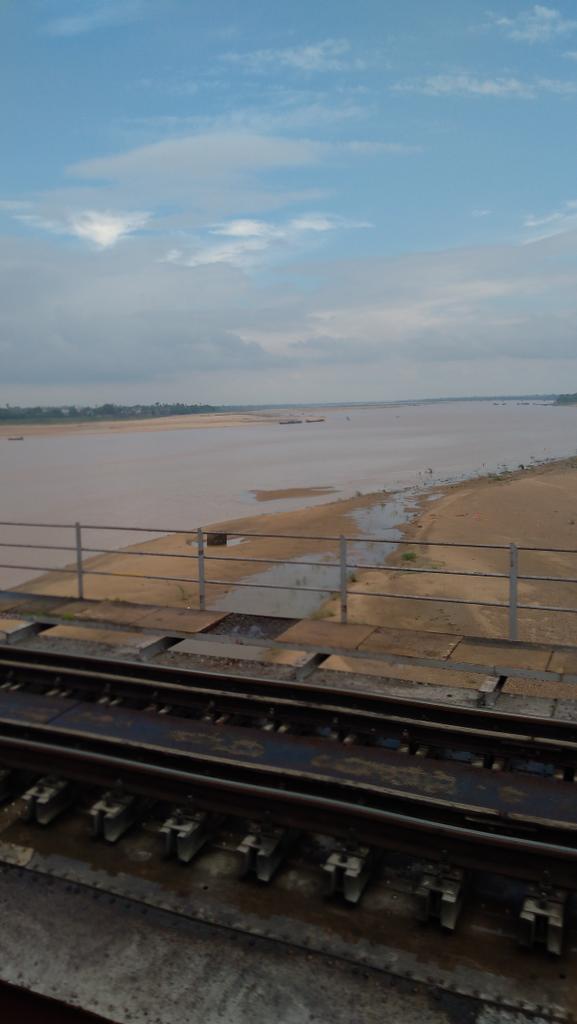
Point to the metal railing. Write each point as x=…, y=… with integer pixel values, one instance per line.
x=81, y=569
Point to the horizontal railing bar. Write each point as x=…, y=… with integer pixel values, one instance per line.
x=362, y=565
x=44, y=526
x=265, y=536
x=40, y=568
x=41, y=547
x=270, y=561
x=549, y=579
x=365, y=540
x=438, y=572
x=145, y=554
x=299, y=562
x=271, y=586
x=122, y=529
x=545, y=608
x=108, y=551
x=555, y=551
x=96, y=572
x=142, y=529
x=438, y=600
x=276, y=561
x=139, y=576
x=286, y=536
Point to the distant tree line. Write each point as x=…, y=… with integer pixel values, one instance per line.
x=108, y=411
x=566, y=400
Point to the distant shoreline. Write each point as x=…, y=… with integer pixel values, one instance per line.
x=234, y=418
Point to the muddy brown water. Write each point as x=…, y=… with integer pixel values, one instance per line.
x=182, y=479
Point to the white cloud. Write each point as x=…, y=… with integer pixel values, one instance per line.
x=249, y=242
x=189, y=182
x=285, y=116
x=245, y=229
x=480, y=213
x=221, y=154
x=538, y=24
x=467, y=84
x=558, y=222
x=242, y=253
x=106, y=229
x=327, y=55
x=103, y=228
x=95, y=15
x=571, y=54
x=210, y=176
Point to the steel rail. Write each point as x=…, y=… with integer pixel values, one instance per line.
x=370, y=716
x=381, y=819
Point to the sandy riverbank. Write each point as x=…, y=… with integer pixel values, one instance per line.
x=292, y=492
x=192, y=422
x=175, y=556
x=535, y=507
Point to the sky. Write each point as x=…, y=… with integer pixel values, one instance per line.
x=245, y=202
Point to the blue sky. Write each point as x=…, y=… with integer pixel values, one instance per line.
x=246, y=202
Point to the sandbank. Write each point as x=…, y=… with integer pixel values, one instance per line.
x=174, y=555
x=194, y=421
x=292, y=492
x=533, y=507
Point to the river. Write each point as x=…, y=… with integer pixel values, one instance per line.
x=179, y=479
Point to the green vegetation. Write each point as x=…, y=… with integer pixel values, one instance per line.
x=409, y=556
x=566, y=400
x=108, y=411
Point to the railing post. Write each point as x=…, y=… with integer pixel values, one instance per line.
x=513, y=597
x=343, y=581
x=201, y=569
x=79, y=570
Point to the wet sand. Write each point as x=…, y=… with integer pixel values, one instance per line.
x=291, y=492
x=536, y=507
x=174, y=555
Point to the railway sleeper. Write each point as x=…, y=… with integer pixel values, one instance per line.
x=186, y=833
x=113, y=814
x=440, y=895
x=264, y=848
x=348, y=870
x=542, y=919
x=46, y=799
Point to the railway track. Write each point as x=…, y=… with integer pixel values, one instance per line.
x=521, y=824
x=492, y=737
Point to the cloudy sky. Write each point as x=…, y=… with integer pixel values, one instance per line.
x=241, y=201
